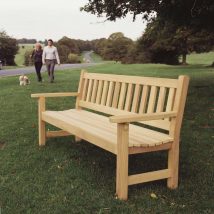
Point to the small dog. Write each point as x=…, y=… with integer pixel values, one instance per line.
x=23, y=80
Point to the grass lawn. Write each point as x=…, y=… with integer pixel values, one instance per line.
x=19, y=58
x=69, y=177
x=96, y=58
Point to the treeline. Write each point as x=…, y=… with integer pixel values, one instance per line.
x=117, y=48
x=26, y=41
x=151, y=47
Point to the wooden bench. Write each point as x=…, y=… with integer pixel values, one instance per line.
x=158, y=103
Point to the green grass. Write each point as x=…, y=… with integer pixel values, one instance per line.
x=96, y=58
x=203, y=58
x=19, y=58
x=69, y=177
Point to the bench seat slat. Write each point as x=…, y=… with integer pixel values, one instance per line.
x=82, y=123
x=135, y=133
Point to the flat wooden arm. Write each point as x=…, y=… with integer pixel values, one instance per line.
x=141, y=117
x=61, y=94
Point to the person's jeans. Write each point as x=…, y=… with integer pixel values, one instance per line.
x=50, y=64
x=38, y=66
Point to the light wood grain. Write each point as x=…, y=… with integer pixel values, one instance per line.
x=143, y=103
x=149, y=176
x=142, y=117
x=129, y=97
x=116, y=95
x=60, y=133
x=99, y=92
x=152, y=99
x=41, y=109
x=110, y=94
x=94, y=91
x=104, y=94
x=126, y=99
x=135, y=101
x=122, y=96
x=122, y=161
x=161, y=99
x=59, y=94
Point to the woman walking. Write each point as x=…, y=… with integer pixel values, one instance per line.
x=50, y=57
x=37, y=57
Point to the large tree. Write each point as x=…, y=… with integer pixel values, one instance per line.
x=196, y=12
x=113, y=48
x=190, y=22
x=8, y=48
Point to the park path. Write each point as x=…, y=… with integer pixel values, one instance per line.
x=28, y=70
x=31, y=69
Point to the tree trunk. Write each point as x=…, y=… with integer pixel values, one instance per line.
x=184, y=59
x=212, y=64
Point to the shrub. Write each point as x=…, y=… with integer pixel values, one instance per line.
x=73, y=58
x=28, y=60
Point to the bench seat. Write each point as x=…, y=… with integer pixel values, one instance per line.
x=98, y=130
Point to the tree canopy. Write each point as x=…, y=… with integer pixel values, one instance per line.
x=8, y=48
x=175, y=27
x=198, y=13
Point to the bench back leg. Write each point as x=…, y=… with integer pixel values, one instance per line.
x=77, y=139
x=42, y=134
x=122, y=161
x=173, y=165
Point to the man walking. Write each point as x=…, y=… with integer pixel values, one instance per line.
x=49, y=57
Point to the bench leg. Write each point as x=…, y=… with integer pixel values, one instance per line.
x=77, y=139
x=42, y=134
x=173, y=164
x=122, y=161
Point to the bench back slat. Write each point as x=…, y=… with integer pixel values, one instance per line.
x=118, y=94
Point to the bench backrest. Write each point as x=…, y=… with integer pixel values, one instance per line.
x=119, y=94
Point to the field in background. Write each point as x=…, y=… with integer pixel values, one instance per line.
x=19, y=59
x=96, y=58
x=69, y=177
x=201, y=59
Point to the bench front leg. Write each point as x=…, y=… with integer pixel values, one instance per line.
x=122, y=161
x=41, y=108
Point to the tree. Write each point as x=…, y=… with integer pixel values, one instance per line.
x=27, y=58
x=63, y=53
x=117, y=47
x=26, y=41
x=8, y=48
x=70, y=43
x=114, y=9
x=190, y=22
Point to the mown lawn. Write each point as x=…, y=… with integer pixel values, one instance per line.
x=19, y=58
x=69, y=177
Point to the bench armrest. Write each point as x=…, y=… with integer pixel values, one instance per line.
x=63, y=94
x=141, y=117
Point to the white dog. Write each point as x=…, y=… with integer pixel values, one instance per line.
x=23, y=80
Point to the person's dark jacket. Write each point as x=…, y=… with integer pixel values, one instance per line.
x=37, y=55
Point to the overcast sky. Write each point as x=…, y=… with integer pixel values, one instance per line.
x=43, y=19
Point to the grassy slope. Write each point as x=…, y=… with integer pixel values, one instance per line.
x=96, y=57
x=68, y=177
x=19, y=59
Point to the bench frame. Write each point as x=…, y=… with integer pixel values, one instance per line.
x=123, y=179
